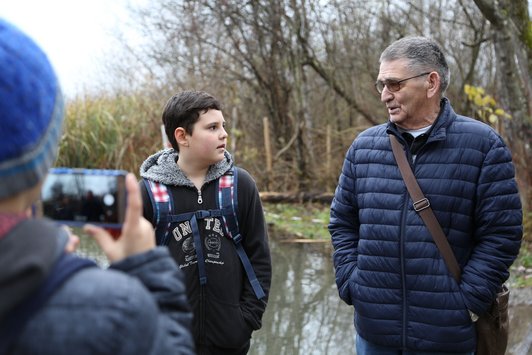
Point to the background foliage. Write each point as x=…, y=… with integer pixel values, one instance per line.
x=308, y=66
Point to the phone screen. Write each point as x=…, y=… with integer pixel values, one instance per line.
x=79, y=196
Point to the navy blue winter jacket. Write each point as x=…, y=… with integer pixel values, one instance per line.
x=136, y=306
x=386, y=262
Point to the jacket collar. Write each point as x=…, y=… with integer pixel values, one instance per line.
x=438, y=131
x=162, y=167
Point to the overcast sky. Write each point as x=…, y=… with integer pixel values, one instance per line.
x=76, y=34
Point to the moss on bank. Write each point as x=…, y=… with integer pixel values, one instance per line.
x=307, y=221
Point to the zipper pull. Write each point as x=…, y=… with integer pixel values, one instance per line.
x=200, y=199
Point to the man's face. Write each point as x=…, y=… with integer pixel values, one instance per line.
x=409, y=107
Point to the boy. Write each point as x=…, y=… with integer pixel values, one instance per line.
x=226, y=307
x=138, y=306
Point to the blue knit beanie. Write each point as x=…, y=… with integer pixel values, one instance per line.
x=31, y=112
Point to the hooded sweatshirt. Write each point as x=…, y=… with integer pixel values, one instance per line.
x=226, y=310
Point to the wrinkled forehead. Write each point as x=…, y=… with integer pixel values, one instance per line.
x=396, y=69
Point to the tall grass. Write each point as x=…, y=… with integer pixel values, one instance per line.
x=112, y=133
x=119, y=131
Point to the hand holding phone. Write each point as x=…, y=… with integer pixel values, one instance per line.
x=137, y=233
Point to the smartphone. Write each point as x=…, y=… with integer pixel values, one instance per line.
x=75, y=197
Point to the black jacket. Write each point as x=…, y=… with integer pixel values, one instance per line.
x=226, y=310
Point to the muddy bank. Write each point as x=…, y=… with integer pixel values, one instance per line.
x=520, y=340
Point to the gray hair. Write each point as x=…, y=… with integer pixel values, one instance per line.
x=422, y=53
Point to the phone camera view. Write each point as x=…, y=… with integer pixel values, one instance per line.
x=79, y=196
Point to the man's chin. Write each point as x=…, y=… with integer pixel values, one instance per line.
x=392, y=119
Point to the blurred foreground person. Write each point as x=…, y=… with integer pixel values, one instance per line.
x=52, y=301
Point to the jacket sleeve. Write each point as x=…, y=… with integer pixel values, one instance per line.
x=253, y=229
x=160, y=275
x=344, y=226
x=498, y=229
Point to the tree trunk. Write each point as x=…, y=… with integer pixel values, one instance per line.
x=515, y=83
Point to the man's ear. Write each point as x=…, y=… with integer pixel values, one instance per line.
x=434, y=81
x=180, y=136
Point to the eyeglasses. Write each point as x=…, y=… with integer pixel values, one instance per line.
x=394, y=85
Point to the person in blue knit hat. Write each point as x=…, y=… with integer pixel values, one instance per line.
x=52, y=301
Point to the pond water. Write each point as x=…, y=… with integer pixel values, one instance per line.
x=306, y=316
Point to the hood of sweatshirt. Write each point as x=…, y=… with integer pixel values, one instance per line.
x=162, y=167
x=28, y=251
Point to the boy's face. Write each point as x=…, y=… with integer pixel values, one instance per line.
x=207, y=142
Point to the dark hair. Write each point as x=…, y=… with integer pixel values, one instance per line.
x=422, y=53
x=183, y=110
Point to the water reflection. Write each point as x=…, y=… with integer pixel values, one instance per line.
x=305, y=314
x=520, y=339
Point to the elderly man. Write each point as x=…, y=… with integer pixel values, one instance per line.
x=386, y=262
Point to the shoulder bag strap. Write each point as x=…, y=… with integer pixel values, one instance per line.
x=422, y=206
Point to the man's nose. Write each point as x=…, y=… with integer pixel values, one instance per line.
x=386, y=95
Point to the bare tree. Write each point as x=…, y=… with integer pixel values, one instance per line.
x=309, y=64
x=510, y=23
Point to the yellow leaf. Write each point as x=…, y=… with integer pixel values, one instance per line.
x=478, y=100
x=499, y=112
x=467, y=89
x=488, y=100
x=493, y=118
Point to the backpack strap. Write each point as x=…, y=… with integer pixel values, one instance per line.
x=15, y=321
x=228, y=203
x=199, y=250
x=161, y=202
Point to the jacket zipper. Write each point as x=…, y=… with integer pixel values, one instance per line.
x=402, y=254
x=403, y=276
x=200, y=198
x=202, y=335
x=202, y=295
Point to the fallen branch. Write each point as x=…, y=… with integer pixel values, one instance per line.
x=296, y=197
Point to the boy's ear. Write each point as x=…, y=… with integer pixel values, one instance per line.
x=180, y=136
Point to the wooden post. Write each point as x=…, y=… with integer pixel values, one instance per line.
x=328, y=149
x=268, y=149
x=234, y=121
